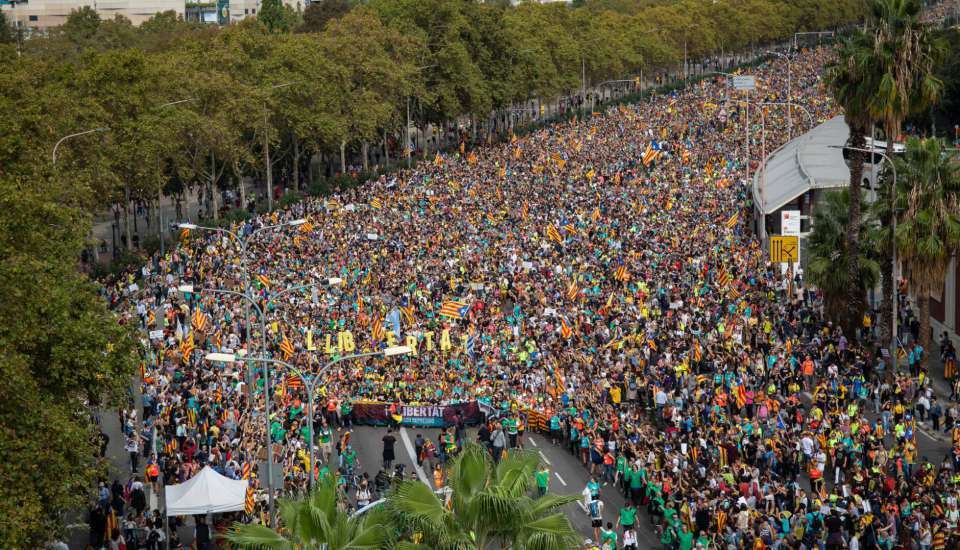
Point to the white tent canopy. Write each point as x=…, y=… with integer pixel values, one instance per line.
x=206, y=493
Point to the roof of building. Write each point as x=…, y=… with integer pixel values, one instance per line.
x=809, y=161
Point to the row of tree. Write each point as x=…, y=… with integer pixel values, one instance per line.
x=884, y=74
x=261, y=97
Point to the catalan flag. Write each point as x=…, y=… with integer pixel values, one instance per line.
x=454, y=309
x=184, y=234
x=199, y=321
x=472, y=158
x=294, y=381
x=554, y=235
x=732, y=222
x=438, y=161
x=249, y=502
x=572, y=291
x=652, y=345
x=186, y=347
x=590, y=174
x=621, y=274
x=524, y=210
x=723, y=278
x=286, y=347
x=596, y=214
x=377, y=331
x=376, y=204
x=264, y=280
x=407, y=312
x=151, y=318
x=651, y=153
x=565, y=330
x=306, y=227
x=685, y=156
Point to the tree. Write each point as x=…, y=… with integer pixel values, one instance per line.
x=831, y=257
x=276, y=16
x=846, y=78
x=316, y=521
x=62, y=353
x=489, y=503
x=928, y=234
x=904, y=57
x=317, y=14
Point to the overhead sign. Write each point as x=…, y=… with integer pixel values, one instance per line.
x=790, y=222
x=745, y=82
x=784, y=248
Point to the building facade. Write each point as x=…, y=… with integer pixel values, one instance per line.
x=42, y=14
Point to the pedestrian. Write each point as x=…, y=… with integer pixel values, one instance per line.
x=388, y=452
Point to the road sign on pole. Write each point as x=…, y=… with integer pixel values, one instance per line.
x=784, y=248
x=744, y=82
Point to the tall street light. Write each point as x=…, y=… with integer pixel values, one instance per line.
x=309, y=384
x=160, y=180
x=187, y=288
x=893, y=230
x=83, y=133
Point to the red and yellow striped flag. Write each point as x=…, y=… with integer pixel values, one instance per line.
x=287, y=348
x=554, y=235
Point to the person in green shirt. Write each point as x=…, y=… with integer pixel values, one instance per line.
x=621, y=469
x=543, y=480
x=628, y=516
x=608, y=538
x=685, y=538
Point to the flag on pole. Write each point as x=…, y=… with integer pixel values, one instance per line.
x=377, y=331
x=407, y=312
x=376, y=204
x=524, y=210
x=565, y=330
x=438, y=161
x=263, y=280
x=622, y=274
x=572, y=291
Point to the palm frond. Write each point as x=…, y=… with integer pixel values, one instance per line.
x=257, y=537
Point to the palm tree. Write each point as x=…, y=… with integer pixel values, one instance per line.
x=846, y=78
x=318, y=519
x=928, y=235
x=902, y=83
x=489, y=506
x=830, y=258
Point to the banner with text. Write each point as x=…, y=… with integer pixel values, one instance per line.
x=434, y=416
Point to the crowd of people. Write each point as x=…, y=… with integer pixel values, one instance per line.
x=598, y=273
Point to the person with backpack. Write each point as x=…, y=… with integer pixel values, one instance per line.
x=595, y=511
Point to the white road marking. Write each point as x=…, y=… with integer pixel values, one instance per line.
x=564, y=483
x=534, y=443
x=409, y=446
x=545, y=459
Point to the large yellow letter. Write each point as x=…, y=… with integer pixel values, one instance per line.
x=445, y=340
x=429, y=338
x=412, y=344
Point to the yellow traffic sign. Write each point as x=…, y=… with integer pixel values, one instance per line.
x=784, y=248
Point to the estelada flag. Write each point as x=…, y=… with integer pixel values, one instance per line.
x=454, y=309
x=199, y=321
x=565, y=331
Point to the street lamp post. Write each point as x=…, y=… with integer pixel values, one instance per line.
x=893, y=194
x=83, y=133
x=309, y=385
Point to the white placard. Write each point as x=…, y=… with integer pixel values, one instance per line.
x=790, y=222
x=527, y=265
x=133, y=287
x=372, y=236
x=156, y=334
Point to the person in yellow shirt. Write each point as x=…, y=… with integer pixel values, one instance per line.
x=615, y=394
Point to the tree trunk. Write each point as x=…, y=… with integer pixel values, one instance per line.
x=213, y=187
x=126, y=217
x=343, y=158
x=923, y=301
x=296, y=164
x=386, y=149
x=855, y=302
x=365, y=150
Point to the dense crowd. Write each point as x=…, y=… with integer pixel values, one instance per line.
x=597, y=273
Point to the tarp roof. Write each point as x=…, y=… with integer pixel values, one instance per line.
x=806, y=162
x=206, y=493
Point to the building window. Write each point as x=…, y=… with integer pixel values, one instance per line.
x=246, y=11
x=33, y=17
x=254, y=11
